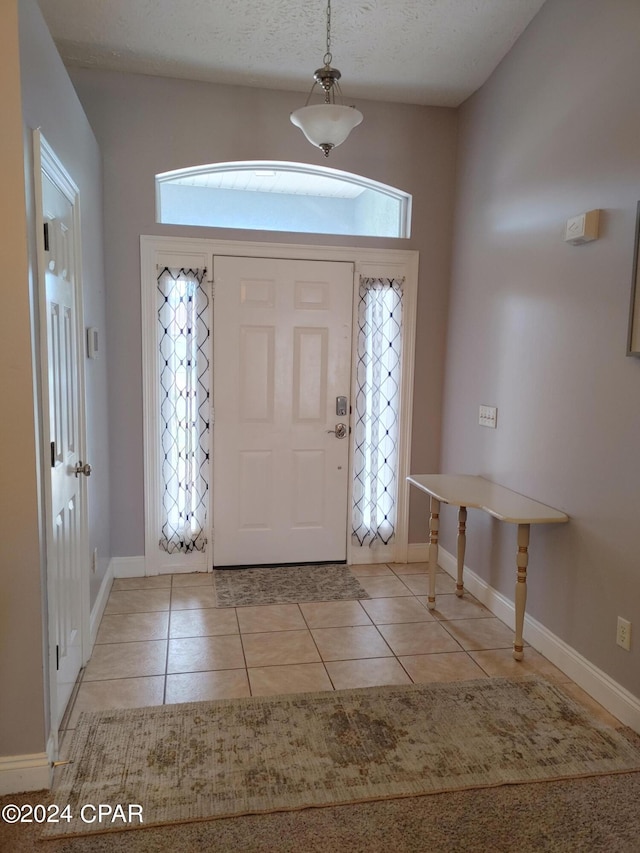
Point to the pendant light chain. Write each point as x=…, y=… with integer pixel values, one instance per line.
x=327, y=57
x=328, y=124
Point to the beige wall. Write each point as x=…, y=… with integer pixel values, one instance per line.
x=22, y=724
x=147, y=125
x=538, y=328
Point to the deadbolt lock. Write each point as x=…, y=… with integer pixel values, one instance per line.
x=341, y=406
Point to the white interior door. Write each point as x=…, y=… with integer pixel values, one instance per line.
x=282, y=357
x=67, y=557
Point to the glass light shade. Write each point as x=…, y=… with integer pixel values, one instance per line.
x=326, y=124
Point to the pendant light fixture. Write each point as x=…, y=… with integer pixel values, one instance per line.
x=327, y=124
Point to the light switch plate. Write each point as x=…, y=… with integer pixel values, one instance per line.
x=488, y=416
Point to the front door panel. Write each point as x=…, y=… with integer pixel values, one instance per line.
x=282, y=355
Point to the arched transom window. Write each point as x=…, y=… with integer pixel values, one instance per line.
x=282, y=196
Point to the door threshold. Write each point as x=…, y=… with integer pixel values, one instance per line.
x=281, y=565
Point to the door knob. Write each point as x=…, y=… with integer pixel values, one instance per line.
x=82, y=469
x=339, y=431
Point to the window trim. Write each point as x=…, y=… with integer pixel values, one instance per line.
x=369, y=262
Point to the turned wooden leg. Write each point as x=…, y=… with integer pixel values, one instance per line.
x=462, y=542
x=521, y=588
x=434, y=507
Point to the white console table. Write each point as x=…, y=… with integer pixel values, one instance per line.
x=466, y=490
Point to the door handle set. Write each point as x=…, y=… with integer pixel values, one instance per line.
x=340, y=430
x=82, y=469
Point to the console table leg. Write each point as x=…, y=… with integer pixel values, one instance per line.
x=434, y=508
x=521, y=588
x=462, y=542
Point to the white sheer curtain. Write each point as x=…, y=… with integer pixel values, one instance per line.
x=185, y=411
x=377, y=410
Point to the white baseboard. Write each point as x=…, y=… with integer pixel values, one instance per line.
x=24, y=773
x=127, y=567
x=611, y=695
x=418, y=552
x=100, y=603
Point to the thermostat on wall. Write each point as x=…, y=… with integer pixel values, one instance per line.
x=583, y=228
x=92, y=342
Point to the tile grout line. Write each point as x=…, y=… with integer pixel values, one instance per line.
x=166, y=657
x=322, y=660
x=244, y=656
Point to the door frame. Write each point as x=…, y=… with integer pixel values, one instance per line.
x=158, y=251
x=45, y=161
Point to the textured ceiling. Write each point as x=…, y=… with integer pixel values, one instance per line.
x=435, y=52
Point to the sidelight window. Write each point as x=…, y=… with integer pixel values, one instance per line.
x=184, y=408
x=377, y=410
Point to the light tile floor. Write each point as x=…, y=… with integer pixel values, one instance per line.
x=162, y=640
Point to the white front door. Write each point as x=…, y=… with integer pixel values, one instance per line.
x=282, y=358
x=66, y=537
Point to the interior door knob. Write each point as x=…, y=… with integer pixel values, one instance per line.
x=82, y=469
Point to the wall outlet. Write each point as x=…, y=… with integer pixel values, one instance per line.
x=94, y=561
x=488, y=416
x=623, y=635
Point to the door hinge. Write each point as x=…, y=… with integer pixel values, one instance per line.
x=53, y=454
x=57, y=657
x=46, y=236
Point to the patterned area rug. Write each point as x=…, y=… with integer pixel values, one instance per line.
x=205, y=760
x=285, y=585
